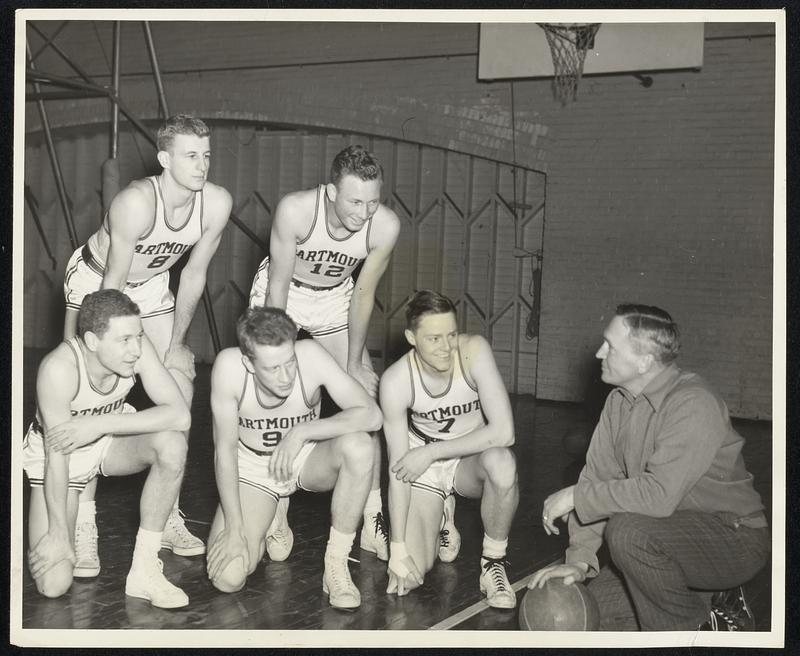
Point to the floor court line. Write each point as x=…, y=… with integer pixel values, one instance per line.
x=479, y=606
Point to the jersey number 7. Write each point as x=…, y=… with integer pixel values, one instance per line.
x=448, y=423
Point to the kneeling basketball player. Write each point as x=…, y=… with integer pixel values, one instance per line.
x=84, y=428
x=458, y=439
x=269, y=441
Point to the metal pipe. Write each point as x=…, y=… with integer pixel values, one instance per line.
x=114, y=145
x=47, y=39
x=34, y=76
x=212, y=322
x=51, y=151
x=252, y=235
x=64, y=95
x=135, y=121
x=162, y=98
x=30, y=199
x=64, y=56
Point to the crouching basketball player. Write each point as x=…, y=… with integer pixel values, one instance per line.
x=458, y=440
x=269, y=441
x=83, y=428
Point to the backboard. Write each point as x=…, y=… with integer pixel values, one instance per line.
x=520, y=50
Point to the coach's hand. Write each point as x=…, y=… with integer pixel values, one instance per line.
x=404, y=575
x=283, y=457
x=48, y=552
x=413, y=464
x=229, y=545
x=72, y=434
x=180, y=357
x=365, y=376
x=569, y=573
x=558, y=505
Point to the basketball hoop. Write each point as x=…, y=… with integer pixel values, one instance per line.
x=568, y=44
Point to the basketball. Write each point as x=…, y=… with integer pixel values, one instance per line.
x=559, y=607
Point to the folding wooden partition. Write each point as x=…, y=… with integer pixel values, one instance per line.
x=472, y=228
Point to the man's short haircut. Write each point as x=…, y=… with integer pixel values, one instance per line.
x=652, y=330
x=358, y=161
x=180, y=124
x=264, y=326
x=98, y=308
x=426, y=301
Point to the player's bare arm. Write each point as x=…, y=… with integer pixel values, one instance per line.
x=293, y=217
x=170, y=411
x=230, y=543
x=395, y=400
x=56, y=385
x=480, y=367
x=193, y=277
x=129, y=218
x=383, y=237
x=359, y=412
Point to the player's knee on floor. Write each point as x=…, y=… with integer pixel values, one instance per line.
x=232, y=578
x=500, y=466
x=170, y=450
x=56, y=581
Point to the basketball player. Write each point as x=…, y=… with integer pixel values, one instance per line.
x=458, y=440
x=269, y=441
x=665, y=487
x=84, y=428
x=318, y=237
x=149, y=226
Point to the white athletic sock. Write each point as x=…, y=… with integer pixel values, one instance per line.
x=86, y=512
x=374, y=504
x=147, y=546
x=494, y=548
x=339, y=544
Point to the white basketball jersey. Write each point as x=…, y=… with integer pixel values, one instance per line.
x=163, y=244
x=323, y=260
x=453, y=413
x=88, y=399
x=261, y=425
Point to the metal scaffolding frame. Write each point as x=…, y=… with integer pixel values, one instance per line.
x=71, y=89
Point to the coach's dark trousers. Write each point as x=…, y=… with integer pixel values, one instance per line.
x=665, y=568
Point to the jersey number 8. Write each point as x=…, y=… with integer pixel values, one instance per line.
x=157, y=261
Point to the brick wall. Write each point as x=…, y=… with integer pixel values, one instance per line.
x=661, y=195
x=664, y=196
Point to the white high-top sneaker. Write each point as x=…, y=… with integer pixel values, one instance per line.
x=336, y=583
x=147, y=581
x=87, y=562
x=280, y=538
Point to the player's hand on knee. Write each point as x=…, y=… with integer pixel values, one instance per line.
x=282, y=460
x=180, y=358
x=48, y=552
x=227, y=547
x=413, y=464
x=365, y=376
x=70, y=435
x=569, y=573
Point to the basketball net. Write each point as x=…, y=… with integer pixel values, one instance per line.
x=568, y=45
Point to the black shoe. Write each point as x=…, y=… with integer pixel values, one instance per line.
x=729, y=612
